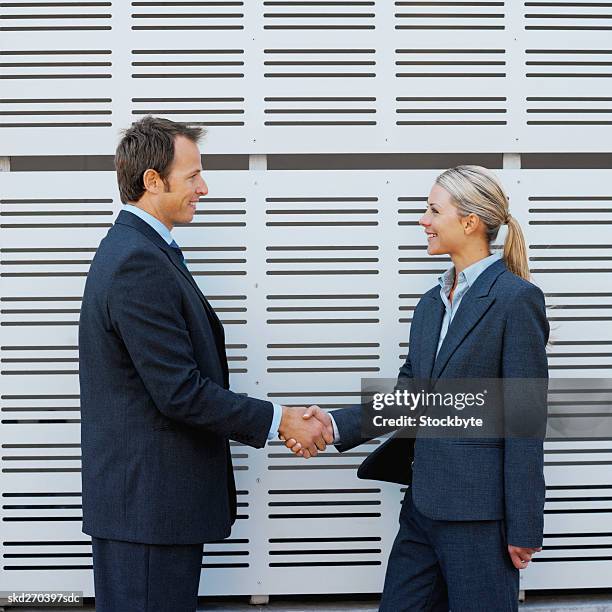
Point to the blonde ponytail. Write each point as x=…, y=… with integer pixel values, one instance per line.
x=515, y=249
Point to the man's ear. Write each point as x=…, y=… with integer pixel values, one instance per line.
x=152, y=181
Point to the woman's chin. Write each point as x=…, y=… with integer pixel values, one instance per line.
x=436, y=247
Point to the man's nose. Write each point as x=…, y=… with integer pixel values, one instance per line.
x=203, y=188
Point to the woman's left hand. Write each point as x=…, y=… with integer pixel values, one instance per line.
x=521, y=556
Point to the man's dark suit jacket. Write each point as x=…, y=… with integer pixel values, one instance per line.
x=499, y=331
x=156, y=411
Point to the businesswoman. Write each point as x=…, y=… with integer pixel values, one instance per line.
x=472, y=516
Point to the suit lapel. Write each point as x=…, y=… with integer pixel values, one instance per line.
x=470, y=311
x=180, y=266
x=432, y=324
x=127, y=218
x=474, y=305
x=215, y=324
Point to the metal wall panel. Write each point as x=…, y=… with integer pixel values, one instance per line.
x=47, y=245
x=315, y=275
x=296, y=77
x=565, y=50
x=59, y=86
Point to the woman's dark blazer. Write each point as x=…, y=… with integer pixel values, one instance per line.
x=499, y=331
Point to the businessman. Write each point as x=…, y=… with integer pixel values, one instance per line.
x=156, y=410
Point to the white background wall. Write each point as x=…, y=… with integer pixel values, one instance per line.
x=313, y=272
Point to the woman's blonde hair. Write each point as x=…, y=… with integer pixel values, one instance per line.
x=477, y=190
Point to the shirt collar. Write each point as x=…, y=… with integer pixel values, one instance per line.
x=154, y=222
x=470, y=274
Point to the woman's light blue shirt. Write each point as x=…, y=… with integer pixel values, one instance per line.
x=466, y=279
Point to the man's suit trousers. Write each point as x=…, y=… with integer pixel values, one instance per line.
x=436, y=566
x=146, y=577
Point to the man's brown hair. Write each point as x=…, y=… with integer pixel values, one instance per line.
x=148, y=143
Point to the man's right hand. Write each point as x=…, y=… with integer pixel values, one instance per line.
x=311, y=434
x=322, y=417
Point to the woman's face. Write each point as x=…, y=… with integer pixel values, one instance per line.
x=442, y=224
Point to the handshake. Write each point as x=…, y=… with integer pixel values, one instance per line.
x=306, y=431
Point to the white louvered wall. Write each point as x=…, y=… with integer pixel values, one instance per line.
x=294, y=77
x=314, y=273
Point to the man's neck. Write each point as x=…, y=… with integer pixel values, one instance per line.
x=148, y=207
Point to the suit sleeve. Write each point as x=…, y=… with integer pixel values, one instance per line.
x=349, y=420
x=144, y=306
x=525, y=412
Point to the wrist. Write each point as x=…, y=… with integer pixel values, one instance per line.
x=283, y=420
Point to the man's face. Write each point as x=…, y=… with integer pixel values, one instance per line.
x=185, y=185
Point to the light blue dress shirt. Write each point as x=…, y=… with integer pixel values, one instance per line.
x=466, y=279
x=154, y=222
x=164, y=232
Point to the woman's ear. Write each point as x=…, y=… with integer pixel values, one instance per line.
x=471, y=223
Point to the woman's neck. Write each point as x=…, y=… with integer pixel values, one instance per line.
x=466, y=258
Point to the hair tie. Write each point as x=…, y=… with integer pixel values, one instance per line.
x=507, y=219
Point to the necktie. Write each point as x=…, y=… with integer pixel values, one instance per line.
x=178, y=251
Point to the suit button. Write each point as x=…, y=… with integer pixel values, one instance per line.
x=412, y=464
